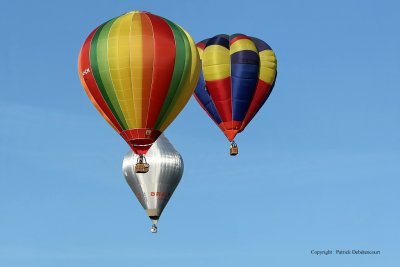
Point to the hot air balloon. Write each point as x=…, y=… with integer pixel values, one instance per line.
x=154, y=188
x=238, y=75
x=139, y=71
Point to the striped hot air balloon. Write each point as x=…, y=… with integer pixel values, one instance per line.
x=238, y=74
x=139, y=70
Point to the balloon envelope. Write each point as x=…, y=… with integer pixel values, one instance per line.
x=154, y=188
x=238, y=74
x=139, y=70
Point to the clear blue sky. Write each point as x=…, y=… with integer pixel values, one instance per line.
x=318, y=167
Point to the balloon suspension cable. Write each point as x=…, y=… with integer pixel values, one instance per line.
x=153, y=229
x=141, y=164
x=233, y=148
x=141, y=159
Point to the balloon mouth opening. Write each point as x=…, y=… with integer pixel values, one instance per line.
x=140, y=146
x=154, y=218
x=140, y=139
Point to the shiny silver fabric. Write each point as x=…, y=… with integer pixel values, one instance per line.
x=154, y=188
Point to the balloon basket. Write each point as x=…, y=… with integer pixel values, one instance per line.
x=141, y=167
x=233, y=149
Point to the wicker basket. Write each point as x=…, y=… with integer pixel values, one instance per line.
x=234, y=151
x=141, y=167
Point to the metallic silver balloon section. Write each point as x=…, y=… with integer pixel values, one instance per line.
x=154, y=188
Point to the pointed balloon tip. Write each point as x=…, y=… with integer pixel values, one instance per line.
x=230, y=134
x=154, y=229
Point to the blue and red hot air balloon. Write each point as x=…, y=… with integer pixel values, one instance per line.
x=237, y=77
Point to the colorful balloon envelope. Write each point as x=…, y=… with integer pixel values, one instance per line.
x=237, y=77
x=139, y=70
